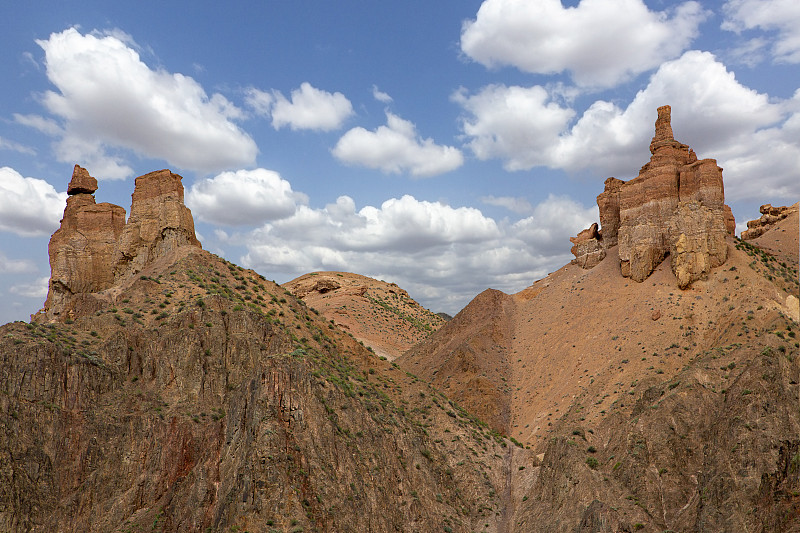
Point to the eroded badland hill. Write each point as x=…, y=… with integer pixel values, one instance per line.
x=381, y=315
x=163, y=388
x=655, y=377
x=653, y=384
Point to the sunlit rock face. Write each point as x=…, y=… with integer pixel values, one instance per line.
x=675, y=206
x=95, y=249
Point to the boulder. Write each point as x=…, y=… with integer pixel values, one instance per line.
x=588, y=248
x=81, y=182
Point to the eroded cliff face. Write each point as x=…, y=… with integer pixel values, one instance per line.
x=212, y=400
x=95, y=249
x=188, y=394
x=675, y=206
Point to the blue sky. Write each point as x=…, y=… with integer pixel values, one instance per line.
x=445, y=146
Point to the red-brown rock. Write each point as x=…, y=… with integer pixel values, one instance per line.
x=608, y=202
x=81, y=182
x=94, y=249
x=588, y=247
x=730, y=221
x=159, y=222
x=769, y=215
x=647, y=216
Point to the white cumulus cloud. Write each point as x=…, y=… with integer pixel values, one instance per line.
x=752, y=137
x=34, y=289
x=779, y=16
x=512, y=203
x=512, y=123
x=396, y=148
x=29, y=207
x=309, y=108
x=15, y=266
x=243, y=197
x=108, y=99
x=443, y=255
x=600, y=42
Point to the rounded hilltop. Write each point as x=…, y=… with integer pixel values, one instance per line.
x=381, y=315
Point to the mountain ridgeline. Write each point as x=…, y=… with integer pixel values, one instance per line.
x=653, y=384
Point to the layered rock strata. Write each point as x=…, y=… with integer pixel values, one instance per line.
x=95, y=249
x=675, y=206
x=769, y=215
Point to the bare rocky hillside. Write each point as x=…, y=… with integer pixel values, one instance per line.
x=190, y=394
x=648, y=407
x=381, y=315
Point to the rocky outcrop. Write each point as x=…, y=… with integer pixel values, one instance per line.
x=608, y=202
x=730, y=221
x=95, y=249
x=588, y=247
x=769, y=215
x=674, y=206
x=159, y=223
x=83, y=249
x=697, y=244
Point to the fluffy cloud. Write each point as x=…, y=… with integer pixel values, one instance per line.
x=15, y=266
x=29, y=207
x=397, y=148
x=752, y=137
x=513, y=124
x=513, y=204
x=309, y=108
x=244, y=197
x=109, y=99
x=600, y=42
x=780, y=16
x=35, y=289
x=443, y=255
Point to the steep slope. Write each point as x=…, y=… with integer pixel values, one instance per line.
x=381, y=315
x=648, y=407
x=196, y=396
x=469, y=360
x=778, y=237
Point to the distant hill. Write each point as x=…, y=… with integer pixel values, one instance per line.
x=381, y=315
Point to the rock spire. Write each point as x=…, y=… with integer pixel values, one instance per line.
x=675, y=207
x=95, y=249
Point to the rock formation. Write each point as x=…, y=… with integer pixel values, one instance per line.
x=587, y=247
x=159, y=223
x=769, y=216
x=675, y=206
x=94, y=249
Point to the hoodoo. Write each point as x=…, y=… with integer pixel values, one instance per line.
x=95, y=249
x=675, y=206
